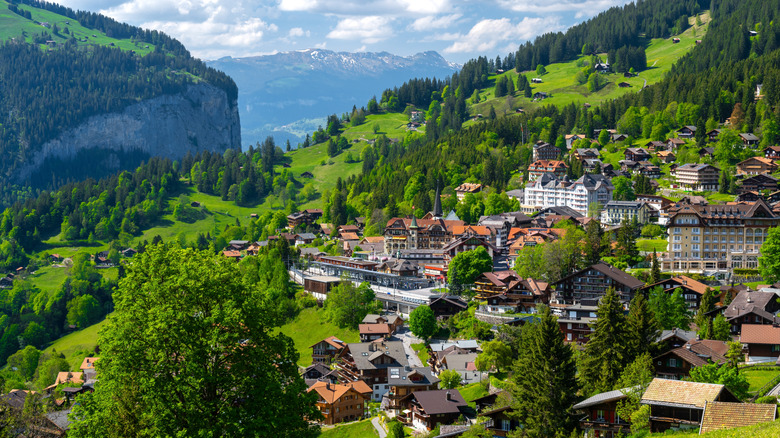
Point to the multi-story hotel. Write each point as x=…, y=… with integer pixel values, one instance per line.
x=697, y=177
x=715, y=239
x=550, y=191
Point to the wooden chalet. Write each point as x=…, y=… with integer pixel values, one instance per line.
x=369, y=362
x=756, y=166
x=752, y=307
x=341, y=402
x=762, y=342
x=432, y=408
x=687, y=131
x=637, y=154
x=772, y=152
x=372, y=332
x=593, y=281
x=447, y=305
x=600, y=414
x=405, y=381
x=677, y=363
x=680, y=404
x=691, y=289
x=327, y=349
x=757, y=183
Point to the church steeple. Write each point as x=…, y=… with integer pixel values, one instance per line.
x=437, y=212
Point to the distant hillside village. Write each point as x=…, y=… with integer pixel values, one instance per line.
x=571, y=241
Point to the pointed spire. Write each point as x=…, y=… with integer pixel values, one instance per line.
x=437, y=212
x=414, y=222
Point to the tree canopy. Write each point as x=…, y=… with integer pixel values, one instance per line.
x=190, y=351
x=348, y=304
x=422, y=322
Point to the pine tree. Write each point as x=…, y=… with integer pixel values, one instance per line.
x=655, y=270
x=606, y=353
x=593, y=243
x=545, y=382
x=642, y=326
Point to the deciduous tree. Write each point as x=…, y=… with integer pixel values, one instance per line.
x=422, y=322
x=348, y=304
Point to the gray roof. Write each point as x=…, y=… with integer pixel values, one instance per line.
x=364, y=353
x=458, y=362
x=604, y=397
x=631, y=204
x=682, y=334
x=515, y=193
x=307, y=236
x=399, y=376
x=466, y=344
x=561, y=210
x=60, y=419
x=435, y=402
x=452, y=216
x=749, y=301
x=749, y=136
x=371, y=318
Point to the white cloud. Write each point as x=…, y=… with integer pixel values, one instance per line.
x=582, y=8
x=298, y=32
x=367, y=7
x=429, y=22
x=488, y=33
x=368, y=30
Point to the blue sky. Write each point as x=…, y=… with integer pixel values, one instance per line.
x=458, y=29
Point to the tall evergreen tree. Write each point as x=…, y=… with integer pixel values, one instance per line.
x=642, y=326
x=594, y=237
x=545, y=380
x=606, y=353
x=655, y=270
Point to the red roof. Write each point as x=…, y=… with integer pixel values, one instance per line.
x=760, y=334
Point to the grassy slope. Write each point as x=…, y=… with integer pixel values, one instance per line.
x=757, y=378
x=765, y=430
x=13, y=25
x=310, y=327
x=560, y=82
x=359, y=429
x=77, y=345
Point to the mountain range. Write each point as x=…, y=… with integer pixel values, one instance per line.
x=289, y=94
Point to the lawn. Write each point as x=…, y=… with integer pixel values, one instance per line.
x=473, y=391
x=758, y=377
x=77, y=345
x=12, y=26
x=358, y=429
x=310, y=327
x=421, y=351
x=49, y=278
x=650, y=245
x=720, y=198
x=764, y=430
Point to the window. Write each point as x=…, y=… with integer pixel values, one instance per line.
x=775, y=348
x=600, y=414
x=672, y=362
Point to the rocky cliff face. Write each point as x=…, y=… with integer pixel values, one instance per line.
x=169, y=126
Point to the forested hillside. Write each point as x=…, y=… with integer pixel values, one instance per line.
x=56, y=78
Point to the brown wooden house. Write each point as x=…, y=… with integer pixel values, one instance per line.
x=680, y=404
x=404, y=381
x=762, y=342
x=677, y=363
x=601, y=418
x=341, y=402
x=431, y=408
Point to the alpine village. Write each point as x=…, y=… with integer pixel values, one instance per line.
x=577, y=239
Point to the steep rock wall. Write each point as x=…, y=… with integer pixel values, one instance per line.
x=169, y=126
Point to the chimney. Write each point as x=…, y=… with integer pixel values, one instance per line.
x=449, y=396
x=688, y=347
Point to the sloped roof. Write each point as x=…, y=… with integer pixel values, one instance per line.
x=362, y=354
x=760, y=334
x=725, y=415
x=611, y=272
x=331, y=392
x=681, y=393
x=332, y=340
x=435, y=402
x=374, y=329
x=748, y=301
x=604, y=397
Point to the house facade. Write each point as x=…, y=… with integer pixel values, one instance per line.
x=615, y=211
x=600, y=415
x=545, y=151
x=340, y=402
x=697, y=177
x=431, y=408
x=549, y=191
x=537, y=168
x=412, y=233
x=762, y=342
x=756, y=166
x=592, y=283
x=717, y=238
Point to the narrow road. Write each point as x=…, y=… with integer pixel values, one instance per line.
x=378, y=426
x=406, y=336
x=774, y=391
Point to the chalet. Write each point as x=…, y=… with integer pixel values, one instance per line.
x=756, y=166
x=536, y=80
x=468, y=243
x=304, y=238
x=752, y=307
x=369, y=362
x=316, y=371
x=341, y=402
x=544, y=151
x=762, y=342
x=571, y=138
x=326, y=350
x=393, y=320
x=712, y=136
x=675, y=40
x=505, y=291
x=751, y=196
x=675, y=338
x=372, y=332
x=404, y=382
x=500, y=421
x=537, y=168
x=600, y=414
x=637, y=154
x=772, y=152
x=230, y=254
x=758, y=183
x=305, y=217
x=319, y=286
x=593, y=281
x=307, y=175
x=676, y=403
x=707, y=152
x=586, y=153
x=601, y=67
x=725, y=415
x=749, y=139
x=677, y=363
x=128, y=252
x=432, y=408
x=575, y=320
x=618, y=137
x=540, y=95
x=65, y=377
x=666, y=156
x=687, y=131
x=592, y=165
x=624, y=85
x=465, y=188
x=691, y=289
x=447, y=305
x=674, y=143
x=654, y=146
